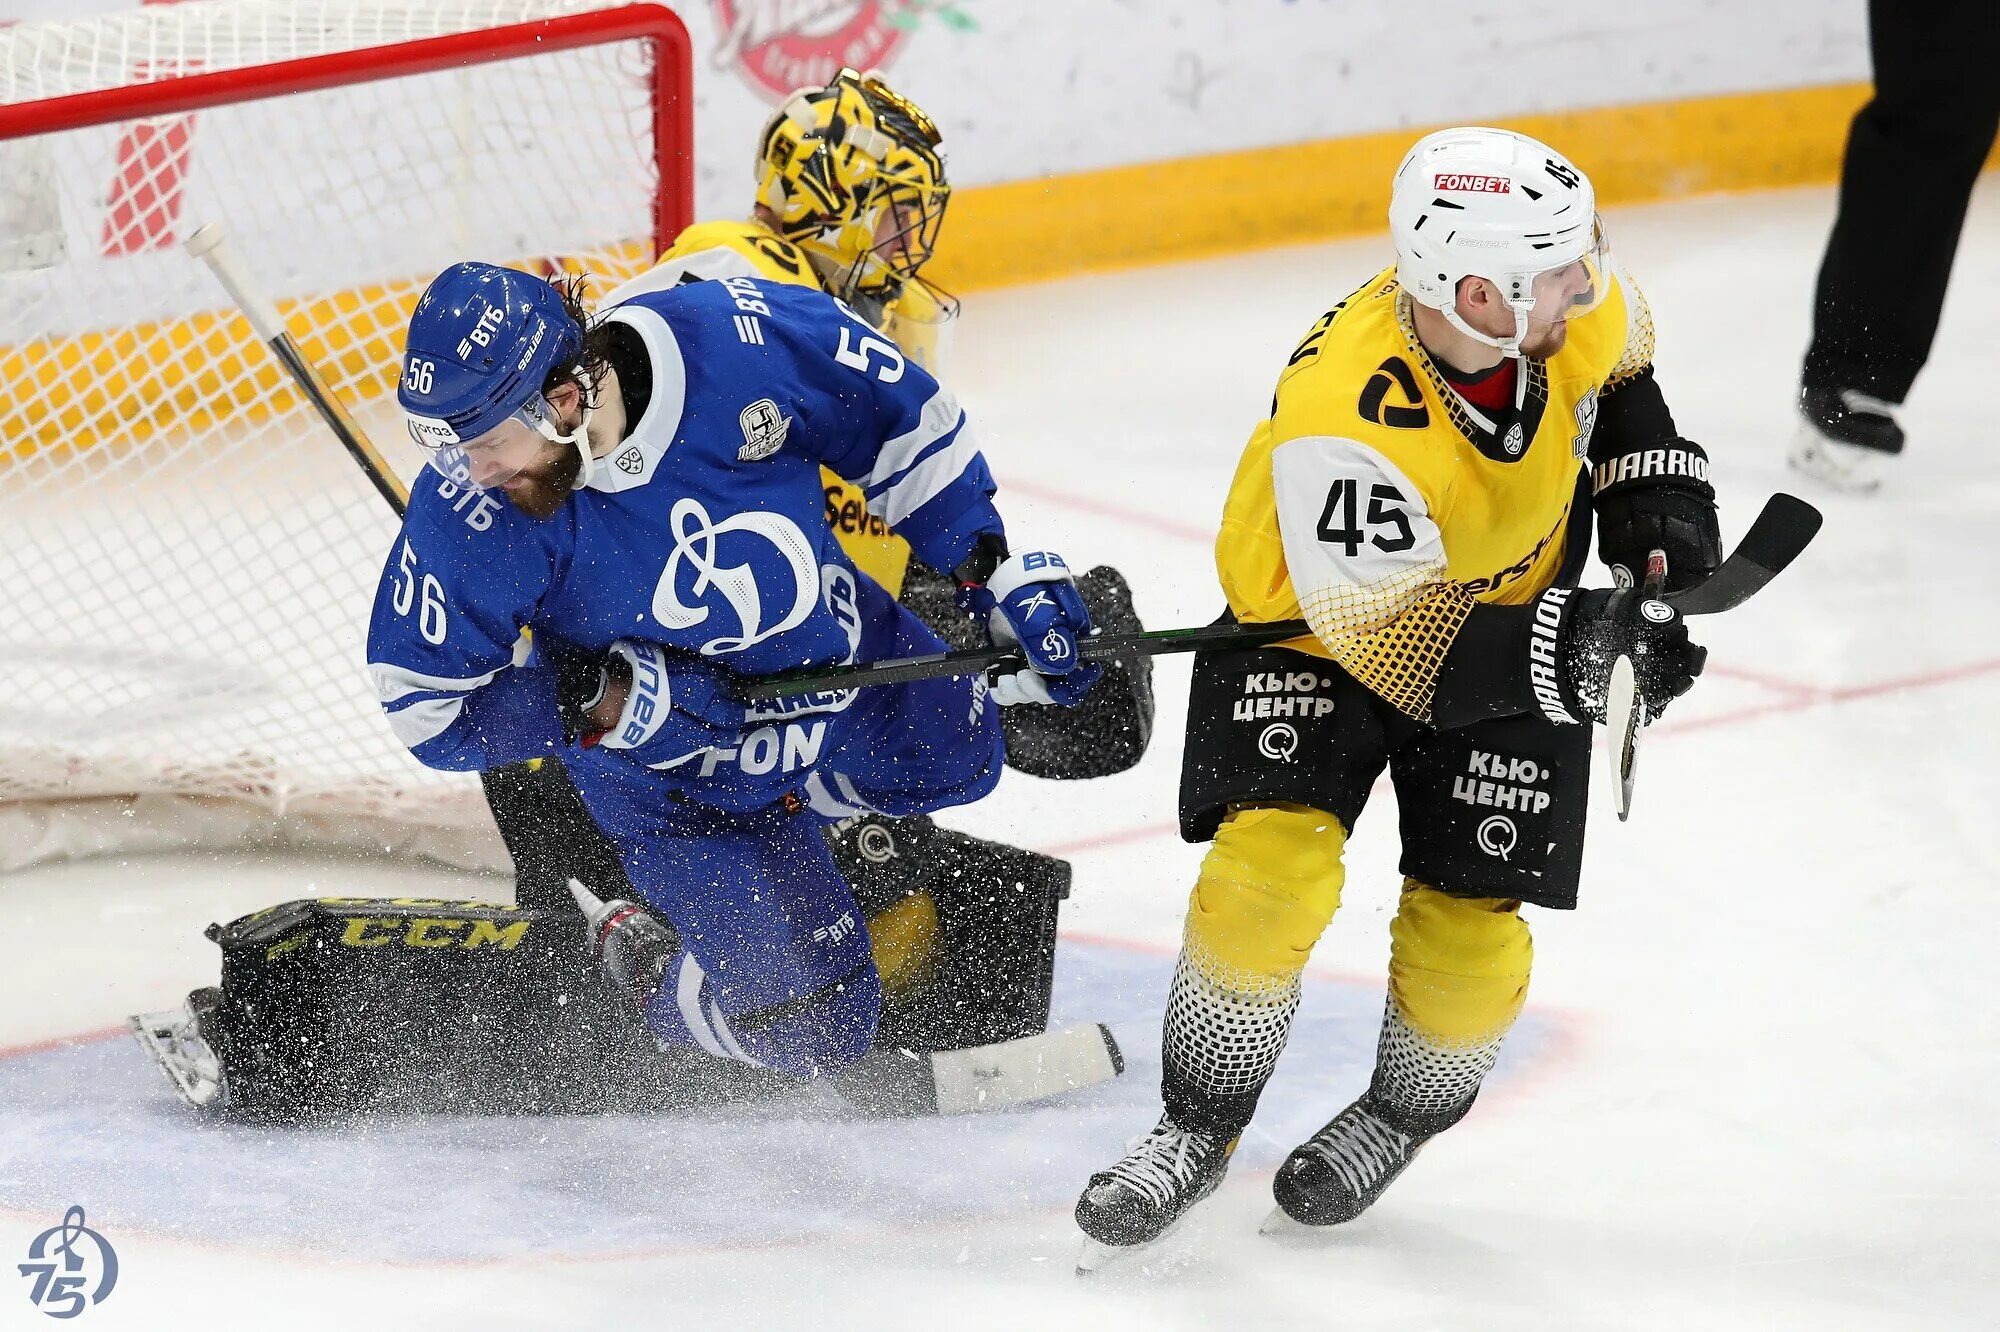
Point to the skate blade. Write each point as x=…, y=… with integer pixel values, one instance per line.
x=167, y=1037
x=1167, y=1251
x=1281, y=1224
x=1161, y=1252
x=1095, y=1257
x=1842, y=467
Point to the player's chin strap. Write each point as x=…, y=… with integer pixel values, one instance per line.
x=579, y=437
x=1507, y=346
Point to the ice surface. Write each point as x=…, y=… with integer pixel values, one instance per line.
x=1755, y=1088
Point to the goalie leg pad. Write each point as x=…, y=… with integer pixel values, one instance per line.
x=359, y=1005
x=988, y=976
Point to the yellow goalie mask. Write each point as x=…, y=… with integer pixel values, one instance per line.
x=852, y=174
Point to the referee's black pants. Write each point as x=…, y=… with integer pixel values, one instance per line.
x=1912, y=156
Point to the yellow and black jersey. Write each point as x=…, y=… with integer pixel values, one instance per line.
x=1381, y=506
x=711, y=250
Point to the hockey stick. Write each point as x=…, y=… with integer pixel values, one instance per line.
x=1781, y=531
x=210, y=244
x=972, y=661
x=1624, y=717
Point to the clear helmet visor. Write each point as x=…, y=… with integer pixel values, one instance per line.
x=1574, y=288
x=488, y=461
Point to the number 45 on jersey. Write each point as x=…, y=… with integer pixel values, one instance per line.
x=1387, y=527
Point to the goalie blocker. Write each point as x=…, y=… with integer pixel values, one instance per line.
x=338, y=1006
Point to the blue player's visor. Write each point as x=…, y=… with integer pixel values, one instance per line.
x=491, y=459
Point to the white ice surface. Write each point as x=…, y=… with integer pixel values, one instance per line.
x=1764, y=1089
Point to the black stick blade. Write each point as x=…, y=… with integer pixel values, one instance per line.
x=1782, y=531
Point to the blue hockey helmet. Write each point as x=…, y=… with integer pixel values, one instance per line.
x=482, y=342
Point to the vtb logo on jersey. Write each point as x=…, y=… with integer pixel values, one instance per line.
x=697, y=542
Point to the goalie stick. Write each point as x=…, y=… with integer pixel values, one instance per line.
x=1781, y=531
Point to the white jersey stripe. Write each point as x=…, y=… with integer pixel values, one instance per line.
x=687, y=996
x=398, y=682
x=425, y=720
x=922, y=483
x=939, y=417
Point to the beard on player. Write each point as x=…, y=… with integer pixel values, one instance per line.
x=541, y=488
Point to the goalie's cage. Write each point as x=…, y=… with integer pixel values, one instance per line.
x=187, y=557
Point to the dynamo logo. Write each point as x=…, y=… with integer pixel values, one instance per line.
x=695, y=551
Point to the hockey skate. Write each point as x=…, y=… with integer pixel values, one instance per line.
x=633, y=946
x=1339, y=1172
x=1846, y=439
x=1127, y=1209
x=176, y=1042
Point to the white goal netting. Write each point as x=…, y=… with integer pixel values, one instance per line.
x=187, y=555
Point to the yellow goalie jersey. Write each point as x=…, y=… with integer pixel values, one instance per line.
x=744, y=249
x=1380, y=505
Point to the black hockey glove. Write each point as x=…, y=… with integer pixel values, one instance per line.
x=1602, y=625
x=1554, y=655
x=1658, y=499
x=1650, y=488
x=581, y=679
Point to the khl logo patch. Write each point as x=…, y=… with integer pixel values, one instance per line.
x=85, y=1274
x=764, y=430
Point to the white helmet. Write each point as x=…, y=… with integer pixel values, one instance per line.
x=1490, y=203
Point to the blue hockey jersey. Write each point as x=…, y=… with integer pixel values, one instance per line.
x=704, y=530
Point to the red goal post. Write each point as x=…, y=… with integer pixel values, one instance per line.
x=673, y=101
x=189, y=557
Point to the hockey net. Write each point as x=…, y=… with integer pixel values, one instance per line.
x=187, y=556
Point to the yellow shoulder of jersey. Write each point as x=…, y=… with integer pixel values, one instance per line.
x=768, y=253
x=1349, y=361
x=1359, y=377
